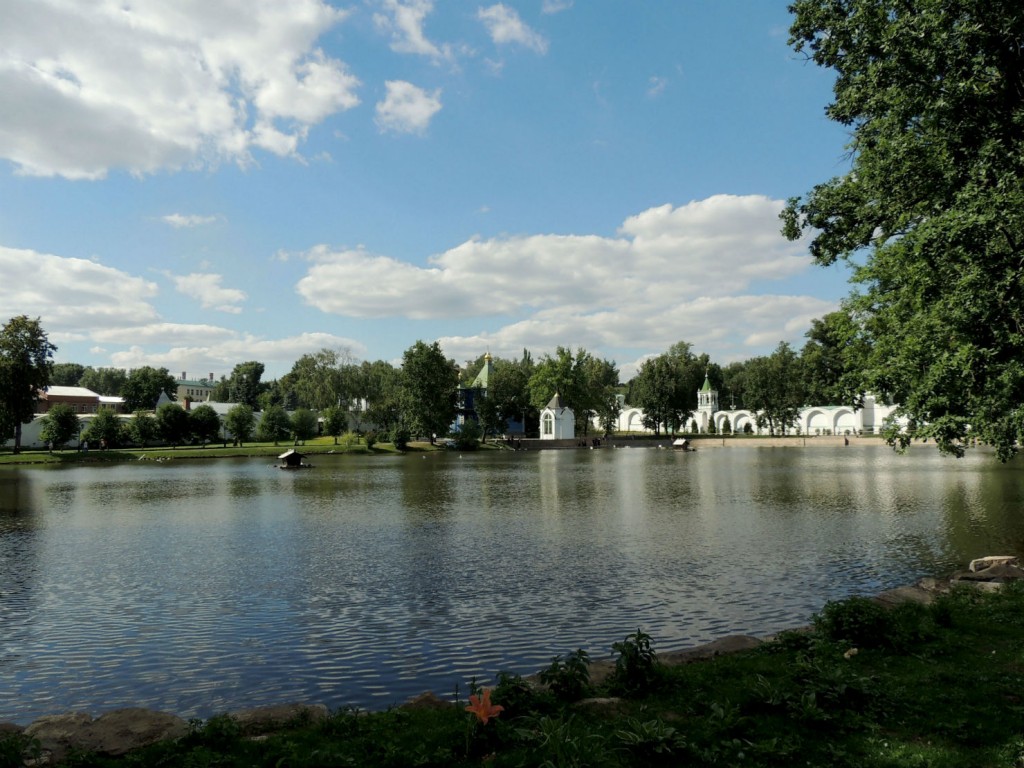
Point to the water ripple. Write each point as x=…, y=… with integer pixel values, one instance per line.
x=204, y=588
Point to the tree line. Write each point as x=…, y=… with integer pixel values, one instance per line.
x=421, y=397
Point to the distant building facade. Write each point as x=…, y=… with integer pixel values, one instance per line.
x=813, y=420
x=196, y=390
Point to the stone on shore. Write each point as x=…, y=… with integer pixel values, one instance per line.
x=261, y=720
x=113, y=733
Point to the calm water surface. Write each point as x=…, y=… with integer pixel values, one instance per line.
x=199, y=587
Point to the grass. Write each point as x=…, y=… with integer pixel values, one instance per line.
x=938, y=687
x=320, y=445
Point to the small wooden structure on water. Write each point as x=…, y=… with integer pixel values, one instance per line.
x=292, y=459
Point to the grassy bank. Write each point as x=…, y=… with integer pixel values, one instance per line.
x=324, y=445
x=867, y=687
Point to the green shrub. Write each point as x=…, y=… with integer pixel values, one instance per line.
x=516, y=695
x=857, y=621
x=636, y=664
x=568, y=677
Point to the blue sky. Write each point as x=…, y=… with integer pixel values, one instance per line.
x=200, y=183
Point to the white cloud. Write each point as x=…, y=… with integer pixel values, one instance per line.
x=153, y=85
x=407, y=108
x=180, y=220
x=697, y=271
x=71, y=295
x=555, y=6
x=223, y=352
x=206, y=288
x=656, y=86
x=506, y=28
x=404, y=21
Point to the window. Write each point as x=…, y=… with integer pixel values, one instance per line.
x=549, y=424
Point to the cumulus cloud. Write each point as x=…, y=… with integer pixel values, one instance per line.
x=407, y=108
x=207, y=290
x=152, y=85
x=187, y=221
x=71, y=295
x=223, y=351
x=698, y=270
x=506, y=28
x=404, y=20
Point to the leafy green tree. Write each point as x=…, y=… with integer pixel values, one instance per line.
x=143, y=387
x=142, y=428
x=240, y=421
x=429, y=383
x=319, y=378
x=60, y=425
x=172, y=424
x=104, y=381
x=659, y=388
x=66, y=374
x=380, y=386
x=930, y=212
x=469, y=435
x=274, y=425
x=279, y=392
x=204, y=423
x=508, y=395
x=244, y=384
x=831, y=360
x=304, y=424
x=105, y=429
x=335, y=422
x=601, y=383
x=775, y=388
x=26, y=356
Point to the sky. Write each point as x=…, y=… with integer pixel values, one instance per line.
x=199, y=183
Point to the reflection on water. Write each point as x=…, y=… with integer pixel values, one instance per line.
x=202, y=587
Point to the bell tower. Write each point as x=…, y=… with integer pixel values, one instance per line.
x=707, y=403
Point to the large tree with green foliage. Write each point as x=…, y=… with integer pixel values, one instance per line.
x=775, y=388
x=60, y=425
x=26, y=359
x=104, y=381
x=172, y=424
x=105, y=429
x=429, y=383
x=380, y=387
x=204, y=424
x=142, y=428
x=931, y=209
x=66, y=374
x=832, y=358
x=240, y=421
x=244, y=385
x=319, y=378
x=584, y=383
x=304, y=425
x=274, y=426
x=143, y=387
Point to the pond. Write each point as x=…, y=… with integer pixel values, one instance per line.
x=199, y=587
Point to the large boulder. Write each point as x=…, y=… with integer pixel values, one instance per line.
x=274, y=717
x=114, y=733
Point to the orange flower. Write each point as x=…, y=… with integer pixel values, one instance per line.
x=481, y=707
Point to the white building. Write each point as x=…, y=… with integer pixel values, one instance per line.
x=557, y=422
x=813, y=420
